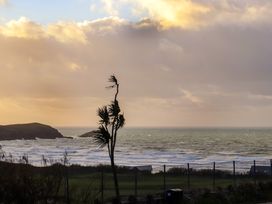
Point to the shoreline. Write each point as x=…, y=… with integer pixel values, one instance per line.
x=85, y=154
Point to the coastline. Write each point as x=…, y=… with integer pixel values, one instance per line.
x=156, y=147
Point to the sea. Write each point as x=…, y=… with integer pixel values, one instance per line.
x=173, y=147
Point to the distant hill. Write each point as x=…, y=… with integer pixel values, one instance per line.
x=88, y=134
x=28, y=131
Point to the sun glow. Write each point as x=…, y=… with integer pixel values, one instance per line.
x=174, y=13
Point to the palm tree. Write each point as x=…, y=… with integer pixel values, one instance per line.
x=111, y=120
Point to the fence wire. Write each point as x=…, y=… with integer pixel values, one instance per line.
x=87, y=184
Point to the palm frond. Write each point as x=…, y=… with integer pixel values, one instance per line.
x=113, y=79
x=121, y=121
x=114, y=108
x=110, y=87
x=104, y=115
x=101, y=137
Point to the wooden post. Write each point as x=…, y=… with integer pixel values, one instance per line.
x=271, y=166
x=213, y=175
x=254, y=167
x=188, y=176
x=254, y=171
x=164, y=179
x=102, y=185
x=136, y=182
x=234, y=173
x=164, y=184
x=67, y=185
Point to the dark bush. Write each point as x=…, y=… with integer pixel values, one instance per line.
x=22, y=183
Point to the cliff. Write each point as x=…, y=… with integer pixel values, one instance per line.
x=28, y=132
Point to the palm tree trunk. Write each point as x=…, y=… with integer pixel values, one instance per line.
x=115, y=179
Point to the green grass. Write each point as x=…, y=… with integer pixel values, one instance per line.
x=85, y=183
x=151, y=183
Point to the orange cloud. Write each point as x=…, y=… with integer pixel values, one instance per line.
x=177, y=13
x=57, y=73
x=64, y=32
x=194, y=14
x=67, y=32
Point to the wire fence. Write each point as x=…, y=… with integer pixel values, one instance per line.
x=140, y=182
x=80, y=184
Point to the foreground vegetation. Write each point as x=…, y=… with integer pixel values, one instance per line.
x=23, y=183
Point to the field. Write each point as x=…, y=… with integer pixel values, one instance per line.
x=143, y=184
x=23, y=183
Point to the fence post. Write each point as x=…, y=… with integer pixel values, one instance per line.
x=67, y=185
x=234, y=173
x=188, y=176
x=164, y=179
x=254, y=171
x=136, y=181
x=102, y=185
x=271, y=166
x=213, y=175
x=254, y=167
x=164, y=184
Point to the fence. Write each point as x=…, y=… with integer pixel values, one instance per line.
x=188, y=177
x=95, y=184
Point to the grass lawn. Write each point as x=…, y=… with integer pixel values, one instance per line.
x=21, y=181
x=150, y=183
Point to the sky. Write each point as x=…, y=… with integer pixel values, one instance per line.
x=180, y=63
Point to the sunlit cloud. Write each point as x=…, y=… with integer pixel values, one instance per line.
x=50, y=110
x=65, y=32
x=22, y=28
x=25, y=28
x=3, y=2
x=177, y=13
x=74, y=66
x=240, y=12
x=182, y=77
x=194, y=14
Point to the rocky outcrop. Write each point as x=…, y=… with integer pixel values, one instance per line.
x=29, y=131
x=88, y=134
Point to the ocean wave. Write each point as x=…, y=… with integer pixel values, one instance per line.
x=170, y=147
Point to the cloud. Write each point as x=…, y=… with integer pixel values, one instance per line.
x=3, y=2
x=179, y=13
x=191, y=97
x=65, y=32
x=74, y=67
x=239, y=12
x=166, y=46
x=23, y=28
x=217, y=75
x=194, y=14
x=109, y=8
